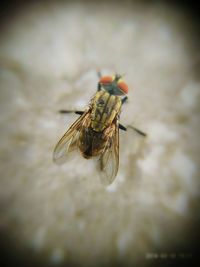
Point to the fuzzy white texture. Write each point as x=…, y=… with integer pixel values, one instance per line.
x=50, y=53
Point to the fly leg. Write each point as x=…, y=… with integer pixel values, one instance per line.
x=79, y=112
x=122, y=127
x=124, y=99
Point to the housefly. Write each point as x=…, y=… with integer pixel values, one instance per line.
x=96, y=132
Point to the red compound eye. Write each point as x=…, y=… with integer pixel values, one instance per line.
x=106, y=79
x=123, y=87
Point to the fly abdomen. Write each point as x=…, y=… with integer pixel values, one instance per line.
x=91, y=143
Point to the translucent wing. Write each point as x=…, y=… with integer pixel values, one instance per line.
x=69, y=140
x=109, y=160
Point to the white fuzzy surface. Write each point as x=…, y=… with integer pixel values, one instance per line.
x=49, y=55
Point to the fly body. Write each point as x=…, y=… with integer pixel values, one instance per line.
x=96, y=132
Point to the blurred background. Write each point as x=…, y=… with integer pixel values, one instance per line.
x=50, y=52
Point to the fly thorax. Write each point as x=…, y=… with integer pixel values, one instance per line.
x=105, y=108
